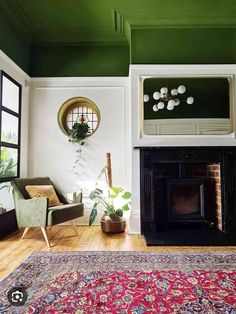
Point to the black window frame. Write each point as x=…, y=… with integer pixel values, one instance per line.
x=15, y=114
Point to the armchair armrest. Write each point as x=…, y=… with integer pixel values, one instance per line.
x=32, y=212
x=74, y=197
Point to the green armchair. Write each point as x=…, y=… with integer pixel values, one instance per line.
x=35, y=212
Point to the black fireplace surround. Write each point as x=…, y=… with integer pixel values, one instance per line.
x=166, y=182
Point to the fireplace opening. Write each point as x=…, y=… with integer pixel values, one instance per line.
x=185, y=200
x=187, y=193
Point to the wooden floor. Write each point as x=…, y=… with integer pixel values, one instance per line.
x=14, y=250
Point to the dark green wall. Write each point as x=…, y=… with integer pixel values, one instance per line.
x=80, y=60
x=211, y=98
x=14, y=45
x=147, y=46
x=183, y=45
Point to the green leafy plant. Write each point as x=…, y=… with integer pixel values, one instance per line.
x=79, y=133
x=7, y=168
x=7, y=164
x=114, y=202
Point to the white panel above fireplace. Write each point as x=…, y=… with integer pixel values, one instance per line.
x=186, y=126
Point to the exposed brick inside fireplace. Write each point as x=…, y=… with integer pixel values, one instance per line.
x=213, y=174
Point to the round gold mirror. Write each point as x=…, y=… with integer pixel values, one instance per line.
x=78, y=110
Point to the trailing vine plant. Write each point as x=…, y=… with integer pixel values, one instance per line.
x=78, y=134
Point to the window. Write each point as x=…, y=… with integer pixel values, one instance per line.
x=10, y=121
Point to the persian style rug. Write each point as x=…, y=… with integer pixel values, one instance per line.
x=123, y=282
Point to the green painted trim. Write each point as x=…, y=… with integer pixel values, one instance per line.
x=118, y=22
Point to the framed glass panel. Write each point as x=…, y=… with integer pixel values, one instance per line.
x=8, y=162
x=6, y=198
x=10, y=94
x=9, y=132
x=187, y=106
x=10, y=125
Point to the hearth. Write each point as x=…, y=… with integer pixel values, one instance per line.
x=186, y=189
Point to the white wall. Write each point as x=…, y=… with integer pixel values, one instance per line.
x=50, y=153
x=7, y=65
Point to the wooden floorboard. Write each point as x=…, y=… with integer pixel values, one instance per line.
x=13, y=249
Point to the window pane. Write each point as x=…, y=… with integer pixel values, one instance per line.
x=9, y=132
x=5, y=197
x=10, y=94
x=8, y=162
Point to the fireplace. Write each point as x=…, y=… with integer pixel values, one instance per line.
x=189, y=189
x=185, y=200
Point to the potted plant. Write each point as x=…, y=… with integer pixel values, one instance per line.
x=78, y=134
x=114, y=202
x=7, y=165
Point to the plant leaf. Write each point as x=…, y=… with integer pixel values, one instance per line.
x=125, y=208
x=95, y=193
x=102, y=172
x=115, y=191
x=93, y=214
x=119, y=212
x=110, y=210
x=126, y=195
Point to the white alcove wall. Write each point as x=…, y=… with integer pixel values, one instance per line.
x=51, y=154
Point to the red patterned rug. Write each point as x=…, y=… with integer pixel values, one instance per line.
x=124, y=282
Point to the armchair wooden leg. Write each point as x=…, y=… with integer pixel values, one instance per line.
x=45, y=236
x=74, y=226
x=25, y=231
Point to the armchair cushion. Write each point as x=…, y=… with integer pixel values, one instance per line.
x=22, y=182
x=44, y=191
x=59, y=214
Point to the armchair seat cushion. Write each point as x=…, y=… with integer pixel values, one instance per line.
x=62, y=213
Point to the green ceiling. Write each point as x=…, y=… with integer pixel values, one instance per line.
x=132, y=31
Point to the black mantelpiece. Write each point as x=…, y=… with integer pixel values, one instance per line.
x=152, y=216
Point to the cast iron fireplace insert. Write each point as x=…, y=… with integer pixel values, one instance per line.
x=188, y=195
x=185, y=200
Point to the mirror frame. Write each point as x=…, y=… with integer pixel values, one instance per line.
x=141, y=72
